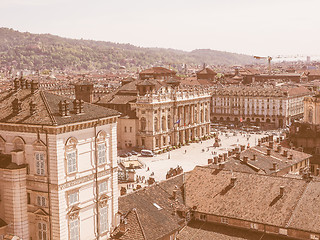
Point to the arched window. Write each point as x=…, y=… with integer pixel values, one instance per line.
x=143, y=124
x=102, y=147
x=156, y=124
x=18, y=144
x=71, y=155
x=163, y=122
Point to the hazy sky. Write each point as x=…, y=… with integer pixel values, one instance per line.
x=257, y=27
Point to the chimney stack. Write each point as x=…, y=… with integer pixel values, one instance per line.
x=254, y=157
x=259, y=142
x=233, y=180
x=32, y=107
x=285, y=153
x=34, y=86
x=268, y=151
x=274, y=166
x=281, y=191
x=123, y=224
x=245, y=159
x=16, y=106
x=174, y=192
x=64, y=108
x=279, y=148
x=271, y=145
x=290, y=156
x=221, y=166
x=238, y=155
x=76, y=106
x=16, y=84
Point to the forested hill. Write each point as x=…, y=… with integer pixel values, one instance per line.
x=46, y=51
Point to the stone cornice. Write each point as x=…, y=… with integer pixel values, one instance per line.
x=12, y=127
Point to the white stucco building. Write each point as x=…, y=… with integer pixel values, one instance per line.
x=274, y=106
x=58, y=168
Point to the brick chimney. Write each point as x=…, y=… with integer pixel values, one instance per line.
x=271, y=144
x=34, y=86
x=285, y=153
x=245, y=159
x=64, y=108
x=123, y=224
x=290, y=156
x=274, y=166
x=221, y=166
x=174, y=192
x=16, y=106
x=268, y=152
x=32, y=107
x=233, y=181
x=259, y=142
x=281, y=191
x=254, y=157
x=16, y=84
x=279, y=148
x=76, y=106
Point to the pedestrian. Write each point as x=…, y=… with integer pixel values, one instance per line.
x=185, y=151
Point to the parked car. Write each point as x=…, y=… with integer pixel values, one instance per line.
x=134, y=153
x=147, y=153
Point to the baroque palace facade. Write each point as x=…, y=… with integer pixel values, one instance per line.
x=157, y=112
x=259, y=105
x=171, y=116
x=58, y=168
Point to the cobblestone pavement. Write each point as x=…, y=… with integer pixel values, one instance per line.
x=195, y=154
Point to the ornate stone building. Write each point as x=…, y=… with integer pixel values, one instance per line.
x=157, y=112
x=58, y=168
x=170, y=116
x=259, y=105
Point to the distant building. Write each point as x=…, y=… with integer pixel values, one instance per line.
x=206, y=73
x=259, y=105
x=160, y=73
x=58, y=167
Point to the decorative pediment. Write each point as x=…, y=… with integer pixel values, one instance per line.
x=41, y=212
x=74, y=212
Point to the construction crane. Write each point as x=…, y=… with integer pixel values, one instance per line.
x=269, y=61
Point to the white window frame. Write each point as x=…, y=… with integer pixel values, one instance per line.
x=41, y=201
x=101, y=153
x=74, y=229
x=42, y=231
x=104, y=223
x=40, y=163
x=71, y=163
x=103, y=187
x=73, y=198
